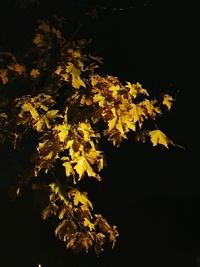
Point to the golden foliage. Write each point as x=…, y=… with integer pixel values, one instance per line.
x=69, y=107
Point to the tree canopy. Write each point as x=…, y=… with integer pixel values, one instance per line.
x=56, y=104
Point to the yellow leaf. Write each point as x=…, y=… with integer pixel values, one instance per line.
x=111, y=124
x=114, y=89
x=77, y=82
x=74, y=53
x=88, y=224
x=99, y=99
x=133, y=92
x=62, y=130
x=48, y=156
x=3, y=76
x=34, y=73
x=94, y=79
x=100, y=164
x=83, y=166
x=86, y=130
x=51, y=114
x=167, y=101
x=92, y=155
x=20, y=69
x=149, y=108
x=27, y=107
x=81, y=198
x=58, y=70
x=39, y=124
x=158, y=137
x=68, y=168
x=41, y=145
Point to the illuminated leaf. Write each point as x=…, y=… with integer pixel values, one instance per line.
x=62, y=130
x=133, y=92
x=77, y=82
x=83, y=166
x=19, y=69
x=99, y=99
x=68, y=168
x=158, y=137
x=80, y=198
x=34, y=73
x=88, y=224
x=27, y=107
x=52, y=114
x=114, y=89
x=167, y=101
x=58, y=70
x=3, y=76
x=74, y=53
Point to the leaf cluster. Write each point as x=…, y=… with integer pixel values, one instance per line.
x=61, y=98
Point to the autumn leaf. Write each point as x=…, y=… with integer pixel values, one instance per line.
x=28, y=107
x=58, y=70
x=133, y=92
x=19, y=69
x=68, y=168
x=167, y=101
x=77, y=82
x=3, y=76
x=83, y=166
x=158, y=137
x=99, y=99
x=34, y=73
x=62, y=130
x=74, y=53
x=114, y=89
x=81, y=198
x=88, y=224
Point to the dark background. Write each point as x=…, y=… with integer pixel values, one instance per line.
x=151, y=194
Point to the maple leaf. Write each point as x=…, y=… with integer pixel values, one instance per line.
x=19, y=69
x=83, y=166
x=167, y=101
x=74, y=53
x=113, y=233
x=77, y=82
x=28, y=107
x=133, y=92
x=88, y=224
x=87, y=242
x=40, y=124
x=68, y=168
x=114, y=89
x=34, y=73
x=55, y=188
x=158, y=137
x=58, y=70
x=51, y=209
x=99, y=99
x=149, y=108
x=3, y=76
x=62, y=130
x=81, y=198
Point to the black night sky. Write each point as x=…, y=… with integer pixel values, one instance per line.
x=151, y=194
